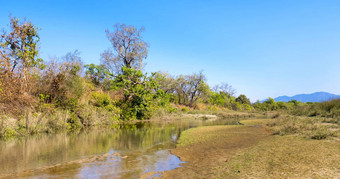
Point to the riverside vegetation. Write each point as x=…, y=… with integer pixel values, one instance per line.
x=64, y=94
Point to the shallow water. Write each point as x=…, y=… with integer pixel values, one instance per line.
x=125, y=151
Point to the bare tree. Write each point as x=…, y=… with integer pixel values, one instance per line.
x=166, y=82
x=225, y=88
x=111, y=63
x=191, y=87
x=128, y=48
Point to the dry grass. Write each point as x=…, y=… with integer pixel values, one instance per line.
x=308, y=127
x=250, y=152
x=285, y=157
x=329, y=109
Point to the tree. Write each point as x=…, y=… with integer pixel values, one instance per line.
x=190, y=88
x=139, y=94
x=128, y=49
x=166, y=82
x=19, y=62
x=270, y=104
x=242, y=99
x=20, y=46
x=225, y=88
x=111, y=63
x=96, y=73
x=62, y=81
x=295, y=102
x=223, y=95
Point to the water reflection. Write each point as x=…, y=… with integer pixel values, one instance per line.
x=142, y=147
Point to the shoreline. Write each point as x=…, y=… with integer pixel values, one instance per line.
x=252, y=155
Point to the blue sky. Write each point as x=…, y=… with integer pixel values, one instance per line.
x=261, y=48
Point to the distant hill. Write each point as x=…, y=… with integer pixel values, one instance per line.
x=314, y=97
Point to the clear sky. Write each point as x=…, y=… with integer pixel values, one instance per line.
x=261, y=48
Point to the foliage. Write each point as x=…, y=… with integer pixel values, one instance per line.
x=62, y=81
x=325, y=109
x=19, y=60
x=102, y=100
x=139, y=94
x=20, y=47
x=185, y=109
x=268, y=105
x=221, y=99
x=191, y=88
x=242, y=99
x=98, y=75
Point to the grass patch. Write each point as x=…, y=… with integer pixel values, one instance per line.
x=255, y=122
x=202, y=134
x=285, y=157
x=308, y=127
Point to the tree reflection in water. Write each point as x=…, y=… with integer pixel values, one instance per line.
x=125, y=150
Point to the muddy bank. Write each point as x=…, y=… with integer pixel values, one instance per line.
x=207, y=148
x=251, y=151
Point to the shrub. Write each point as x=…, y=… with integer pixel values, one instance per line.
x=140, y=96
x=73, y=122
x=309, y=127
x=185, y=109
x=102, y=100
x=329, y=109
x=247, y=107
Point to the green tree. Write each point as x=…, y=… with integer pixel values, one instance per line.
x=242, y=99
x=97, y=74
x=270, y=104
x=295, y=102
x=139, y=94
x=20, y=46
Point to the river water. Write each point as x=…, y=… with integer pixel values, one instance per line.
x=128, y=150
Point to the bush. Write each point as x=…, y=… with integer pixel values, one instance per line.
x=141, y=98
x=184, y=109
x=247, y=107
x=73, y=122
x=309, y=127
x=329, y=109
x=102, y=100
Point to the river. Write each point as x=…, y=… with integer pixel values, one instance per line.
x=126, y=150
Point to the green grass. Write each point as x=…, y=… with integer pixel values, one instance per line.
x=254, y=122
x=201, y=135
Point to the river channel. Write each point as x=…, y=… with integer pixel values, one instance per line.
x=127, y=150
